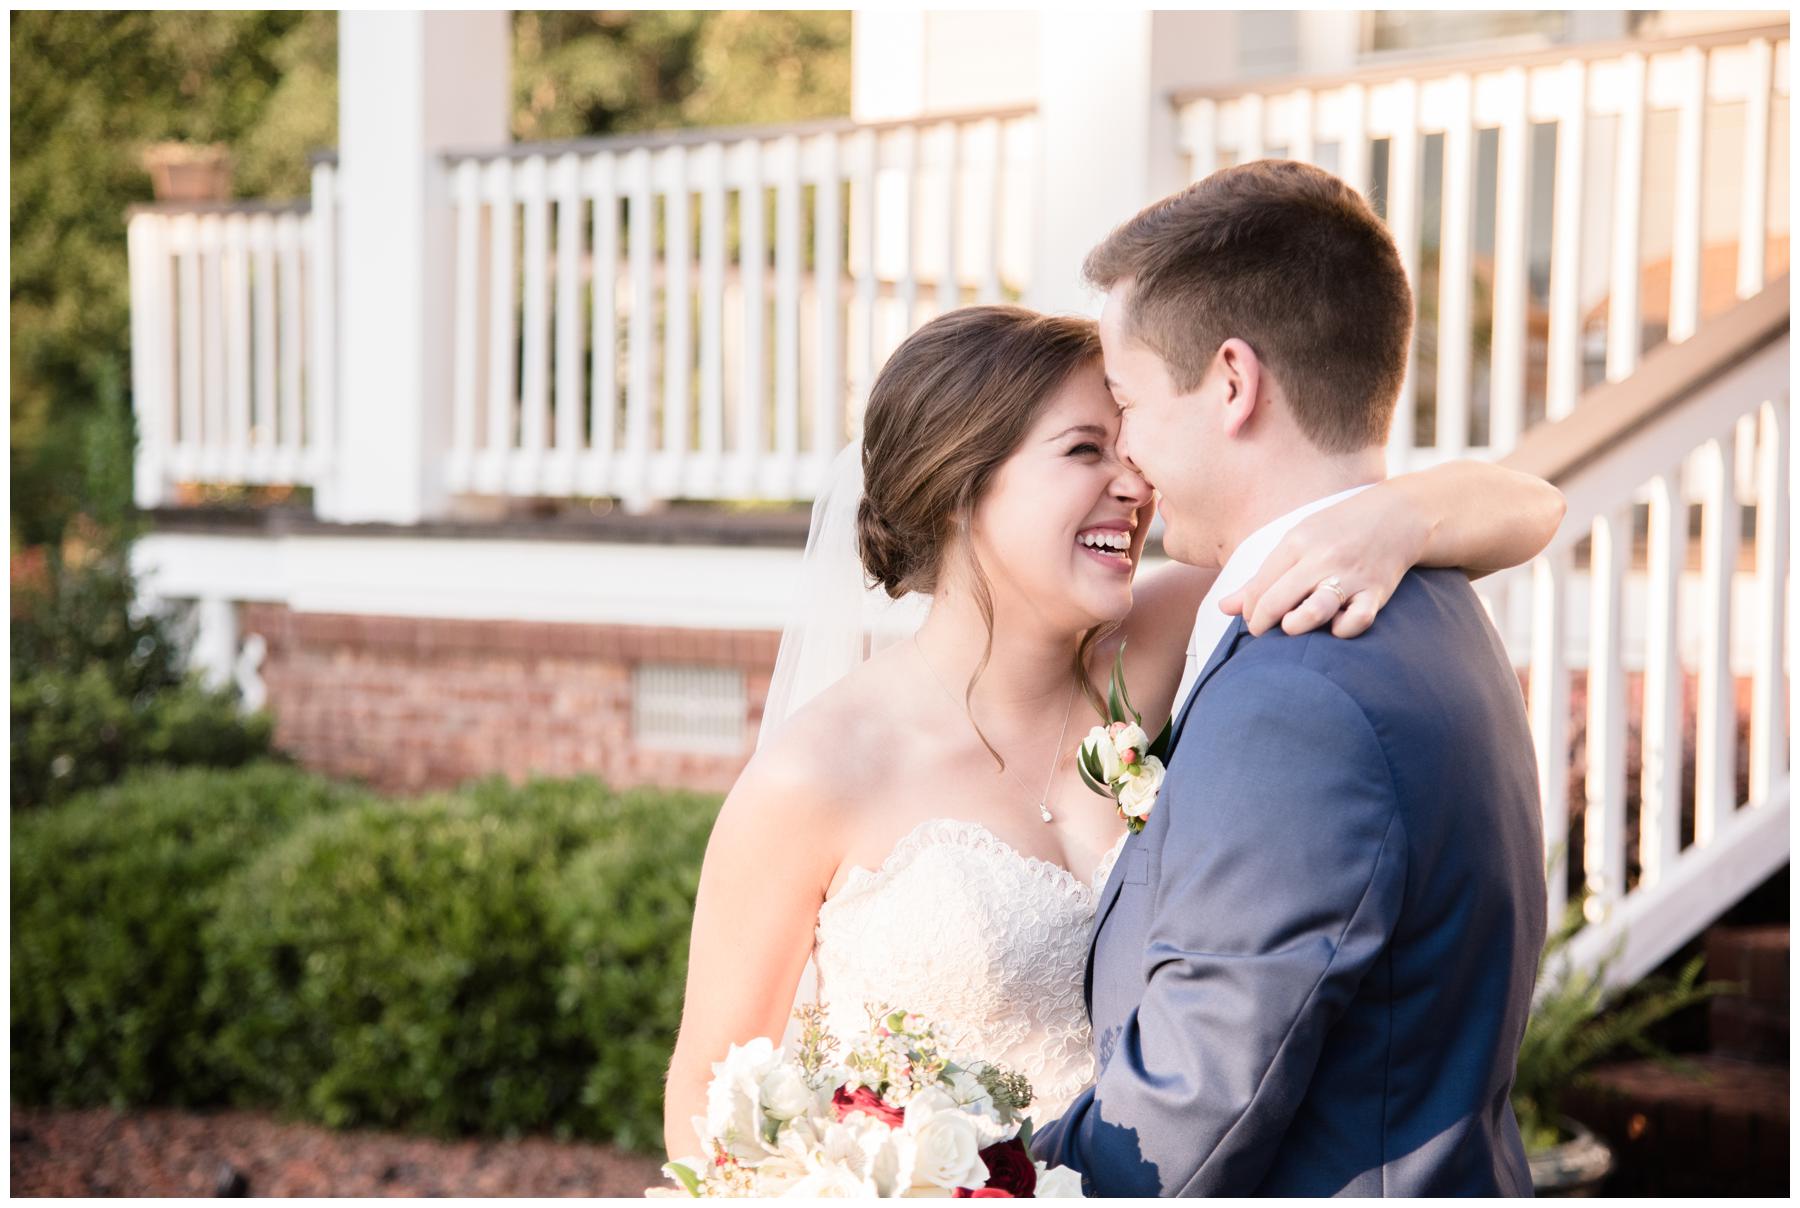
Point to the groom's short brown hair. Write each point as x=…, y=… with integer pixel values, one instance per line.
x=1288, y=258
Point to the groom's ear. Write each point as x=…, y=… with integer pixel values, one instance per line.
x=1239, y=380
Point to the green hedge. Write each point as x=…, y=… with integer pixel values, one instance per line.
x=110, y=893
x=499, y=960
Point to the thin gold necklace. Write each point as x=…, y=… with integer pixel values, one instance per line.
x=1043, y=798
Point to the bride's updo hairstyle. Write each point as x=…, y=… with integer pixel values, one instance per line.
x=953, y=402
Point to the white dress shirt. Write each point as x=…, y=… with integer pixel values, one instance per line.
x=1209, y=623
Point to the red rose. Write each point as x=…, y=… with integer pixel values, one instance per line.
x=865, y=1100
x=1010, y=1171
x=982, y=1193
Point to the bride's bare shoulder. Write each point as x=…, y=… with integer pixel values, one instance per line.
x=827, y=759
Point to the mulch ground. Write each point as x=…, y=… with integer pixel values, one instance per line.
x=162, y=1151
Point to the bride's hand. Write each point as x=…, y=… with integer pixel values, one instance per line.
x=1368, y=541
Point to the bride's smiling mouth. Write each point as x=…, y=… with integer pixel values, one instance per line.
x=1107, y=545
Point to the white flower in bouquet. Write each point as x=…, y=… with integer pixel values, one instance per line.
x=949, y=1143
x=1099, y=744
x=1057, y=1183
x=734, y=1109
x=1138, y=792
x=833, y=1183
x=785, y=1095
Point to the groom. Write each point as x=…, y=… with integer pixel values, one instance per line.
x=1311, y=970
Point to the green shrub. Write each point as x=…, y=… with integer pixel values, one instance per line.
x=393, y=966
x=98, y=689
x=620, y=917
x=109, y=896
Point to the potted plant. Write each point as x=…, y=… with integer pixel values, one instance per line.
x=1577, y=1022
x=194, y=172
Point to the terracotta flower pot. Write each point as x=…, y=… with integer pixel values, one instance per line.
x=189, y=171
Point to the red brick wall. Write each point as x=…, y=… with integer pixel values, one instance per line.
x=407, y=703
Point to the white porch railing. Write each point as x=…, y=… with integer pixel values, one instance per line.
x=232, y=349
x=697, y=316
x=1717, y=440
x=1668, y=197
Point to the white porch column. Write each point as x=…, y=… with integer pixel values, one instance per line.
x=1106, y=128
x=411, y=85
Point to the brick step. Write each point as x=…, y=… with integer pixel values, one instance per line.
x=1755, y=956
x=1748, y=1030
x=1710, y=1125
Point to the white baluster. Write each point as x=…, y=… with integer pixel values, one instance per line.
x=1455, y=270
x=1768, y=700
x=828, y=270
x=1565, y=369
x=788, y=251
x=524, y=476
x=1549, y=704
x=948, y=288
x=1690, y=176
x=1754, y=193
x=1353, y=147
x=711, y=164
x=1403, y=219
x=262, y=241
x=296, y=422
x=907, y=137
x=1716, y=731
x=212, y=344
x=1604, y=826
x=490, y=467
x=678, y=342
x=1659, y=825
x=753, y=387
x=597, y=477
x=640, y=334
x=1511, y=289
x=466, y=183
x=868, y=279
x=1252, y=127
x=1623, y=334
x=569, y=336
x=990, y=155
x=235, y=277
x=187, y=252
x=1300, y=134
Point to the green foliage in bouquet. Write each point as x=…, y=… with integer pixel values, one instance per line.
x=1578, y=1022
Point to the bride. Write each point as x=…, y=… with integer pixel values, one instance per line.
x=918, y=832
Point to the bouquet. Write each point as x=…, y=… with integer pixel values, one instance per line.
x=1118, y=760
x=892, y=1117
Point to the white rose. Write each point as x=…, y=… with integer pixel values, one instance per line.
x=1139, y=791
x=785, y=1094
x=1099, y=746
x=991, y=1124
x=948, y=1146
x=1057, y=1183
x=1131, y=738
x=890, y=1154
x=832, y=1183
x=733, y=1099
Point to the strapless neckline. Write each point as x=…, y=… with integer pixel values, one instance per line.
x=860, y=879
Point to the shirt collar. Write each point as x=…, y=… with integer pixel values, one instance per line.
x=1251, y=552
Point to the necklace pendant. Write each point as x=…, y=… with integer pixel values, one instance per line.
x=1043, y=811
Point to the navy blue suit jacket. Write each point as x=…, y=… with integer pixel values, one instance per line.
x=1312, y=968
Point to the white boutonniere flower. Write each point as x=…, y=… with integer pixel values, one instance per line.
x=1118, y=760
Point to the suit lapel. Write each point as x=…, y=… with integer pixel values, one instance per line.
x=1114, y=881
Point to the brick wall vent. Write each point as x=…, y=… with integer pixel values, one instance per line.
x=688, y=707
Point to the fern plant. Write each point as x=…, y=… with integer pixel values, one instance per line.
x=1579, y=1021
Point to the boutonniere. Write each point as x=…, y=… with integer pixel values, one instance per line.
x=1118, y=760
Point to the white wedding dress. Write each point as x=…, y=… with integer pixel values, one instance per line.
x=987, y=943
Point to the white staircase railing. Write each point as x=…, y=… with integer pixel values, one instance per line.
x=1667, y=171
x=1703, y=424
x=232, y=342
x=694, y=316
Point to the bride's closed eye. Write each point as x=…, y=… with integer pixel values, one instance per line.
x=1086, y=446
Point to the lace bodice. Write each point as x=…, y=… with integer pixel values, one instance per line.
x=986, y=942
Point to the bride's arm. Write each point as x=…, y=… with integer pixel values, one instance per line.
x=1472, y=514
x=767, y=864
